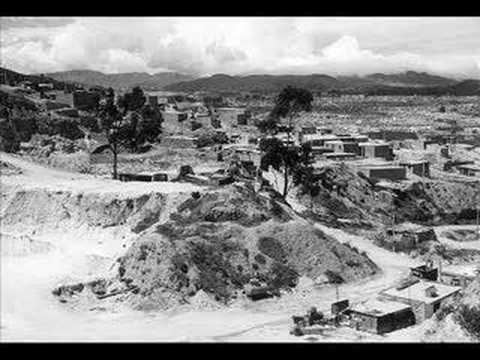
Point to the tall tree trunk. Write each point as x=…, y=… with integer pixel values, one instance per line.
x=285, y=181
x=115, y=176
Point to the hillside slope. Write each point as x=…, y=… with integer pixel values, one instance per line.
x=346, y=194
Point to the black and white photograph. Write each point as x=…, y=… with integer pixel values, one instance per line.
x=240, y=179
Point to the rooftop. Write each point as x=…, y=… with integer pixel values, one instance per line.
x=308, y=137
x=377, y=307
x=469, y=167
x=417, y=291
x=182, y=137
x=469, y=270
x=414, y=162
x=408, y=226
x=372, y=143
x=340, y=154
x=334, y=142
x=380, y=166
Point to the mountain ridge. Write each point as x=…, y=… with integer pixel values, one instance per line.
x=120, y=80
x=314, y=82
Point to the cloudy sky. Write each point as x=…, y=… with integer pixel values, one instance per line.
x=233, y=45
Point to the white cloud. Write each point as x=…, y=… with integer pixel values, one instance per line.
x=204, y=46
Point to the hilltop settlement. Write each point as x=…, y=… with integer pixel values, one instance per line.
x=318, y=208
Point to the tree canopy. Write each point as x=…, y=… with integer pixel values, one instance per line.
x=291, y=101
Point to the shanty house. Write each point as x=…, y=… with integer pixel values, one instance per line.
x=339, y=156
x=425, y=272
x=420, y=168
x=318, y=140
x=424, y=297
x=380, y=317
x=376, y=150
x=388, y=172
x=459, y=275
x=413, y=233
x=469, y=170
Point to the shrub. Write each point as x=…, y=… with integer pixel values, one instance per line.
x=211, y=138
x=283, y=276
x=470, y=319
x=196, y=195
x=272, y=248
x=334, y=277
x=259, y=258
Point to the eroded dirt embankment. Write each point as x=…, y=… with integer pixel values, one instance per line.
x=218, y=242
x=167, y=242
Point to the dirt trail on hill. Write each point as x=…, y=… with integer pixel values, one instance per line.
x=38, y=176
x=393, y=265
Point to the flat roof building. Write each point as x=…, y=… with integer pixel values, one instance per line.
x=376, y=150
x=383, y=172
x=381, y=316
x=459, y=275
x=318, y=139
x=425, y=297
x=339, y=156
x=417, y=167
x=469, y=170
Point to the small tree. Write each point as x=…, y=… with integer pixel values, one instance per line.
x=279, y=156
x=304, y=174
x=112, y=124
x=142, y=121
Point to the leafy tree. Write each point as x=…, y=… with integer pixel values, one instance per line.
x=142, y=121
x=132, y=101
x=129, y=122
x=288, y=104
x=279, y=156
x=8, y=138
x=112, y=124
x=303, y=172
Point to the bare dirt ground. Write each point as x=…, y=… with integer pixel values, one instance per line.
x=29, y=312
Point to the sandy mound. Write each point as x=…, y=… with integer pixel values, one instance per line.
x=219, y=242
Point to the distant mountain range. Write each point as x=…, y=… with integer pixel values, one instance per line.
x=316, y=82
x=408, y=83
x=121, y=80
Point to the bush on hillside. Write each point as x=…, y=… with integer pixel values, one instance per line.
x=211, y=138
x=470, y=319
